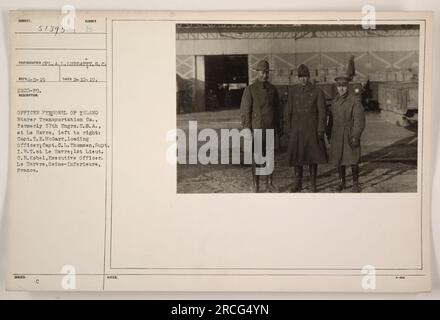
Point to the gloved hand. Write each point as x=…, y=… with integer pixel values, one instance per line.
x=355, y=142
x=281, y=131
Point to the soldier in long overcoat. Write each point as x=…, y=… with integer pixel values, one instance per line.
x=260, y=110
x=348, y=125
x=307, y=119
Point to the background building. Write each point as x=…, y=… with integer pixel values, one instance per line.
x=215, y=62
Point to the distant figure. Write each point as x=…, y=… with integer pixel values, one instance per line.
x=211, y=100
x=179, y=94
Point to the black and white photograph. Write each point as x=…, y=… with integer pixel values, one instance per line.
x=246, y=151
x=297, y=108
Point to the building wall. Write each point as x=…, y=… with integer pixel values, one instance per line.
x=305, y=45
x=393, y=58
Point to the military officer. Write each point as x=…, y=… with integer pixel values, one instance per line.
x=307, y=119
x=348, y=125
x=260, y=110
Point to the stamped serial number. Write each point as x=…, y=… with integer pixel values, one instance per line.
x=221, y=309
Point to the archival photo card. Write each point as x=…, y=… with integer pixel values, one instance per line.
x=220, y=151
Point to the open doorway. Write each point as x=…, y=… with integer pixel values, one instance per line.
x=226, y=76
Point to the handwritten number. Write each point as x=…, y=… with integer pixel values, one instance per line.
x=51, y=29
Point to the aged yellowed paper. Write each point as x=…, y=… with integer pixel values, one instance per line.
x=97, y=201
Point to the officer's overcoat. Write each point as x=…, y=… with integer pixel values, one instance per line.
x=348, y=122
x=307, y=117
x=260, y=106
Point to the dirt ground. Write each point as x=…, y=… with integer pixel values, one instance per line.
x=389, y=162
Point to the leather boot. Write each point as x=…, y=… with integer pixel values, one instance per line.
x=313, y=169
x=270, y=186
x=298, y=170
x=255, y=180
x=256, y=184
x=341, y=172
x=355, y=172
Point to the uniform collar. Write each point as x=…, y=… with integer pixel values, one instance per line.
x=343, y=98
x=262, y=84
x=307, y=87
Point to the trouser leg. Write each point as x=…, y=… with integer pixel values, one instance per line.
x=341, y=172
x=355, y=172
x=313, y=169
x=264, y=153
x=255, y=179
x=298, y=172
x=270, y=186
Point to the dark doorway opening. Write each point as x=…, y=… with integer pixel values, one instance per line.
x=226, y=76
